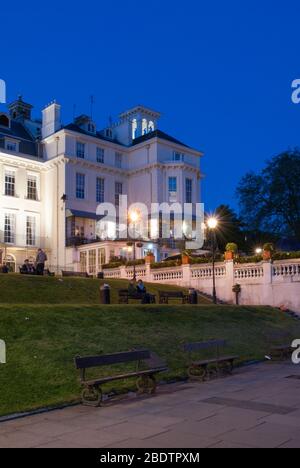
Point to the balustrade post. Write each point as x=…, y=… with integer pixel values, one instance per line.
x=268, y=277
x=230, y=280
x=186, y=276
x=123, y=272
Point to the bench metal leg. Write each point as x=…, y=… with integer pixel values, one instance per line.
x=198, y=373
x=146, y=384
x=92, y=396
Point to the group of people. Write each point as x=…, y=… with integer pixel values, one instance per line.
x=28, y=268
x=139, y=289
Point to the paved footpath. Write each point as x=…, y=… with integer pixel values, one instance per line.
x=257, y=407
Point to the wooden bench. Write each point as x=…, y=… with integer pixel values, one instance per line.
x=125, y=296
x=280, y=344
x=75, y=274
x=165, y=296
x=214, y=365
x=147, y=365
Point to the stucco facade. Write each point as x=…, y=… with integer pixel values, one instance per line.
x=54, y=176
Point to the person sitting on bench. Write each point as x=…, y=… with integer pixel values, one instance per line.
x=141, y=289
x=27, y=268
x=132, y=289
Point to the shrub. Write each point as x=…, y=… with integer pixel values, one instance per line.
x=169, y=264
x=231, y=247
x=269, y=247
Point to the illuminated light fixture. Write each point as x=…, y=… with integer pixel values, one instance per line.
x=212, y=223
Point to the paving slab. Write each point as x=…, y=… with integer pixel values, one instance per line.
x=256, y=407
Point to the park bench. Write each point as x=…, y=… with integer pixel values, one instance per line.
x=147, y=365
x=165, y=296
x=215, y=364
x=75, y=274
x=280, y=344
x=125, y=296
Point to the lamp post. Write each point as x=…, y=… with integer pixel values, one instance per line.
x=212, y=224
x=134, y=218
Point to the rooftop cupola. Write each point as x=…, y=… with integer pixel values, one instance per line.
x=135, y=123
x=20, y=110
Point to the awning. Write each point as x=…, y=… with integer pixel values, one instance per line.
x=82, y=214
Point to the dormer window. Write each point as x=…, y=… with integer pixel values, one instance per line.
x=4, y=121
x=108, y=133
x=91, y=128
x=11, y=145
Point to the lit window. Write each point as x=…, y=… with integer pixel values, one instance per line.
x=150, y=126
x=118, y=160
x=189, y=190
x=30, y=230
x=83, y=258
x=80, y=186
x=80, y=150
x=134, y=129
x=10, y=183
x=101, y=257
x=118, y=192
x=100, y=190
x=100, y=155
x=92, y=262
x=9, y=228
x=144, y=127
x=172, y=184
x=32, y=188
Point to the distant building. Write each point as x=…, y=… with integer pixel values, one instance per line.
x=53, y=178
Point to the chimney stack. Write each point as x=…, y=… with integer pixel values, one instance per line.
x=51, y=119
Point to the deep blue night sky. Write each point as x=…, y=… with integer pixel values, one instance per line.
x=220, y=72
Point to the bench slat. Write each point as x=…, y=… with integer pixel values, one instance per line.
x=109, y=359
x=124, y=376
x=214, y=361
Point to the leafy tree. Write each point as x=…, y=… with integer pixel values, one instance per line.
x=229, y=228
x=270, y=201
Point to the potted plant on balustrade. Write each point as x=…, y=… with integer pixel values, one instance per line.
x=231, y=251
x=185, y=258
x=150, y=258
x=268, y=251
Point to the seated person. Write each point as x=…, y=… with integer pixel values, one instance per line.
x=4, y=268
x=131, y=289
x=141, y=289
x=27, y=268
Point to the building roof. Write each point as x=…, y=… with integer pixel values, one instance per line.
x=158, y=134
x=75, y=128
x=28, y=144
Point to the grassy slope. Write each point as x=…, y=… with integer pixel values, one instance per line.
x=42, y=341
x=17, y=289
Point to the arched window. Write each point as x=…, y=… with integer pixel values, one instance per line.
x=10, y=261
x=4, y=120
x=134, y=129
x=144, y=127
x=151, y=126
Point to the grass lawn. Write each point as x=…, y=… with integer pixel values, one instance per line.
x=42, y=340
x=18, y=289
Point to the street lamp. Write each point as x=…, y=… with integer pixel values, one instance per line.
x=259, y=251
x=134, y=217
x=212, y=224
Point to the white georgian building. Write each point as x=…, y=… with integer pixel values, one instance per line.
x=53, y=177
